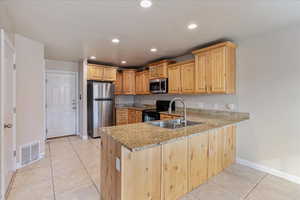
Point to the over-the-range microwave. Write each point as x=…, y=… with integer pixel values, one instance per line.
x=159, y=86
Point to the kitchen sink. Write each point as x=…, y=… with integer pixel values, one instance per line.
x=173, y=124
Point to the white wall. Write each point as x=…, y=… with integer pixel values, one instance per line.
x=269, y=79
x=5, y=21
x=30, y=92
x=62, y=65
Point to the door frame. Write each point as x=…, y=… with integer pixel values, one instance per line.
x=76, y=94
x=4, y=38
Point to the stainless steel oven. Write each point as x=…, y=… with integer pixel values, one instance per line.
x=159, y=86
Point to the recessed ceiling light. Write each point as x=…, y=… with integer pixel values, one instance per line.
x=153, y=50
x=93, y=57
x=115, y=40
x=192, y=26
x=146, y=3
x=124, y=62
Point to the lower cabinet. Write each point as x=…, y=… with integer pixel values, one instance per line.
x=175, y=169
x=168, y=117
x=165, y=172
x=121, y=116
x=128, y=116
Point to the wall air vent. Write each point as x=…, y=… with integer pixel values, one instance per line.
x=30, y=153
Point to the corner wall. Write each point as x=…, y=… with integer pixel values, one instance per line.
x=269, y=79
x=30, y=92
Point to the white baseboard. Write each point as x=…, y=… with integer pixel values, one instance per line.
x=269, y=170
x=84, y=137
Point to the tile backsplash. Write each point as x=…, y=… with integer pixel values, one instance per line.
x=210, y=102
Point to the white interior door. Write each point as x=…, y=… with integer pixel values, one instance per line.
x=8, y=118
x=61, y=104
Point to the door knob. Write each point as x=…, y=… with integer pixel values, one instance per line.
x=8, y=125
x=74, y=108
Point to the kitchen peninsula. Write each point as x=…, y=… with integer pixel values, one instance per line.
x=142, y=161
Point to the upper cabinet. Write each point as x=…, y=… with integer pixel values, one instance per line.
x=174, y=80
x=159, y=69
x=128, y=82
x=188, y=77
x=181, y=77
x=101, y=73
x=142, y=82
x=215, y=69
x=118, y=83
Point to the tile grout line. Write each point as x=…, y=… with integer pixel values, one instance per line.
x=94, y=184
x=52, y=177
x=255, y=186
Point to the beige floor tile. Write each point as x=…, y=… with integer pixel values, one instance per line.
x=275, y=188
x=43, y=163
x=209, y=191
x=250, y=174
x=31, y=177
x=71, y=180
x=81, y=193
x=237, y=185
x=39, y=191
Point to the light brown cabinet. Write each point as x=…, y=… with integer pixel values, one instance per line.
x=128, y=116
x=168, y=171
x=174, y=79
x=215, y=69
x=142, y=82
x=128, y=82
x=181, y=77
x=159, y=69
x=101, y=73
x=168, y=117
x=109, y=74
x=188, y=77
x=118, y=83
x=121, y=116
x=95, y=72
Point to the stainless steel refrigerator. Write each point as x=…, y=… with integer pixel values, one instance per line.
x=100, y=98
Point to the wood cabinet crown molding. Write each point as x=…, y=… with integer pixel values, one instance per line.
x=222, y=44
x=166, y=61
x=182, y=63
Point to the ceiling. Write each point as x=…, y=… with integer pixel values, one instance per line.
x=75, y=29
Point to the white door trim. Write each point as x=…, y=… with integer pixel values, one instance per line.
x=4, y=38
x=76, y=94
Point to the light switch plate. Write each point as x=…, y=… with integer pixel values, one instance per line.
x=118, y=164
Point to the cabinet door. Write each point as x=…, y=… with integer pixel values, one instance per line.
x=198, y=153
x=201, y=72
x=122, y=116
x=188, y=78
x=128, y=82
x=138, y=83
x=138, y=116
x=146, y=82
x=131, y=116
x=118, y=83
x=218, y=70
x=175, y=169
x=95, y=73
x=109, y=74
x=153, y=72
x=215, y=152
x=162, y=70
x=174, y=80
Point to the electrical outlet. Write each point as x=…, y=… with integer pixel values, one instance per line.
x=230, y=106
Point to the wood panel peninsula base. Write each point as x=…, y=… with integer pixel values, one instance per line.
x=168, y=171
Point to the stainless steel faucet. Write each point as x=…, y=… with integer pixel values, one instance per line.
x=184, y=108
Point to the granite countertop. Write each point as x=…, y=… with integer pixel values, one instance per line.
x=141, y=136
